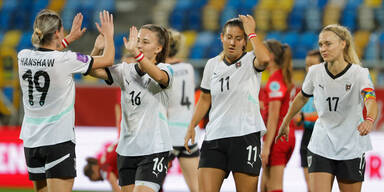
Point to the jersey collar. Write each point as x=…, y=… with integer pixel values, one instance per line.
x=339, y=74
x=235, y=61
x=44, y=49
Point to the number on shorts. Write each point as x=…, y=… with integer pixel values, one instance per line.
x=44, y=89
x=250, y=149
x=158, y=166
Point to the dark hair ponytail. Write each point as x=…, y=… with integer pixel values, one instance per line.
x=163, y=39
x=283, y=58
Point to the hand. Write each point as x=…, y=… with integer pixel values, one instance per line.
x=248, y=23
x=283, y=132
x=106, y=20
x=99, y=43
x=76, y=30
x=189, y=136
x=131, y=44
x=264, y=155
x=365, y=127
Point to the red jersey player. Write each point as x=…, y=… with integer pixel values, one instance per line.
x=104, y=167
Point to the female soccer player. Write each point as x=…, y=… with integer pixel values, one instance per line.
x=145, y=143
x=48, y=87
x=180, y=111
x=230, y=85
x=308, y=116
x=279, y=92
x=340, y=87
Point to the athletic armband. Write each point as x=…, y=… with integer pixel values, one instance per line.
x=368, y=93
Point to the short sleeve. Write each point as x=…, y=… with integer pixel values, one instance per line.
x=115, y=74
x=365, y=80
x=207, y=76
x=78, y=62
x=307, y=89
x=167, y=69
x=276, y=90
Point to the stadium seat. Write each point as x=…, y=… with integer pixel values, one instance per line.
x=379, y=17
x=331, y=14
x=274, y=35
x=366, y=18
x=361, y=39
x=25, y=41
x=262, y=17
x=381, y=42
x=313, y=18
x=11, y=38
x=210, y=18
x=228, y=13
x=372, y=51
x=291, y=38
x=349, y=18
x=215, y=47
x=296, y=19
x=279, y=19
x=56, y=5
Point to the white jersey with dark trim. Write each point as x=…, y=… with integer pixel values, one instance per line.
x=234, y=89
x=48, y=88
x=339, y=105
x=144, y=102
x=181, y=102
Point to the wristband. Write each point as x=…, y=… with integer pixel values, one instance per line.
x=251, y=35
x=139, y=57
x=370, y=119
x=65, y=43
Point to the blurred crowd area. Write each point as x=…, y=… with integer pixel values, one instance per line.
x=295, y=22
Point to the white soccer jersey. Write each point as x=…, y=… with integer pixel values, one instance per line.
x=181, y=102
x=339, y=105
x=144, y=124
x=234, y=88
x=48, y=88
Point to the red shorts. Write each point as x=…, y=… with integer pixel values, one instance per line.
x=281, y=151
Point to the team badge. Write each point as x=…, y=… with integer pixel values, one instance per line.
x=238, y=64
x=348, y=87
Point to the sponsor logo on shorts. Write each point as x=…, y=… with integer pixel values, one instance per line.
x=82, y=58
x=156, y=174
x=251, y=164
x=309, y=158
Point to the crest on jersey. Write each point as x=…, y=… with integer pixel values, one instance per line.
x=348, y=87
x=238, y=64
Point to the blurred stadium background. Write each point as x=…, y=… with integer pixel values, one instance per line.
x=295, y=22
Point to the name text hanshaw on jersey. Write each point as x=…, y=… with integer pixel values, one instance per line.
x=37, y=62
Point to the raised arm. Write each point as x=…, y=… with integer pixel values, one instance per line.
x=201, y=109
x=76, y=30
x=294, y=108
x=106, y=29
x=261, y=52
x=97, y=51
x=145, y=65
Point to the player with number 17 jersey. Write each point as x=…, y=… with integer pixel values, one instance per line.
x=46, y=80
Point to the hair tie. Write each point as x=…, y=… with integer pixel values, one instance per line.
x=39, y=33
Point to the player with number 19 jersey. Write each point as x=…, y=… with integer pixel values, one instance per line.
x=144, y=124
x=339, y=106
x=48, y=88
x=181, y=105
x=234, y=90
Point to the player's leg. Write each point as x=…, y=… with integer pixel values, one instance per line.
x=60, y=167
x=245, y=182
x=350, y=174
x=189, y=166
x=128, y=188
x=211, y=179
x=264, y=179
x=245, y=161
x=60, y=185
x=275, y=180
x=322, y=172
x=321, y=181
x=40, y=186
x=190, y=172
x=151, y=172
